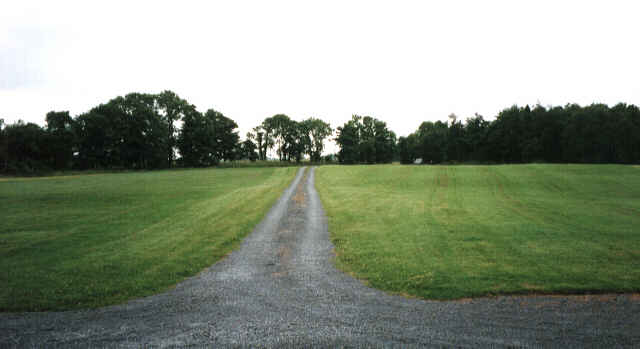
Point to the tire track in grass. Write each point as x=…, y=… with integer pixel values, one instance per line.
x=280, y=289
x=556, y=236
x=511, y=203
x=439, y=200
x=430, y=214
x=554, y=219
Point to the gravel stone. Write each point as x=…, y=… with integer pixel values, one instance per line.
x=281, y=289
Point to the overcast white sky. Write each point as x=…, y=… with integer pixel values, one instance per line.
x=403, y=62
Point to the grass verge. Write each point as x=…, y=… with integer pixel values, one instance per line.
x=92, y=240
x=447, y=232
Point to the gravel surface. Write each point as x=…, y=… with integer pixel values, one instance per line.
x=280, y=289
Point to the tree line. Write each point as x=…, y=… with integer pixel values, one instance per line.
x=291, y=139
x=571, y=134
x=148, y=131
x=142, y=131
x=365, y=140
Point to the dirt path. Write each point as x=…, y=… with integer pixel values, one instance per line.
x=281, y=289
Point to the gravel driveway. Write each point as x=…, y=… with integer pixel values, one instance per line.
x=281, y=289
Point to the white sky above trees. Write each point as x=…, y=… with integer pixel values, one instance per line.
x=403, y=62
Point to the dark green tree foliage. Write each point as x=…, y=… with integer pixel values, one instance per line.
x=592, y=134
x=172, y=109
x=407, y=148
x=26, y=147
x=433, y=142
x=404, y=151
x=195, y=142
x=126, y=132
x=139, y=131
x=456, y=145
x=291, y=139
x=313, y=134
x=263, y=139
x=207, y=139
x=3, y=147
x=225, y=134
x=96, y=139
x=146, y=135
x=365, y=140
x=384, y=142
x=247, y=149
x=60, y=139
x=475, y=139
x=348, y=140
x=294, y=140
x=280, y=128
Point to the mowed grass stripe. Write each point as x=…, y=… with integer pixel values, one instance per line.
x=446, y=232
x=89, y=241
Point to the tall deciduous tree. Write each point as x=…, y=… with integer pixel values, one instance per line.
x=433, y=141
x=225, y=134
x=207, y=139
x=348, y=139
x=313, y=134
x=280, y=128
x=263, y=139
x=247, y=148
x=405, y=151
x=475, y=138
x=365, y=140
x=385, y=142
x=26, y=147
x=145, y=145
x=59, y=128
x=172, y=108
x=194, y=141
x=3, y=147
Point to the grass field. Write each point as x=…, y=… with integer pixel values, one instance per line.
x=91, y=240
x=447, y=232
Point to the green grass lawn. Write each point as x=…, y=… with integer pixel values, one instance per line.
x=446, y=232
x=91, y=240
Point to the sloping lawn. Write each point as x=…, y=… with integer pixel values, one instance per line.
x=92, y=240
x=446, y=232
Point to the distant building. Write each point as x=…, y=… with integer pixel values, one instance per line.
x=417, y=161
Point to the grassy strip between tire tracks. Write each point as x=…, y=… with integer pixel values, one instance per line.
x=86, y=241
x=447, y=232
